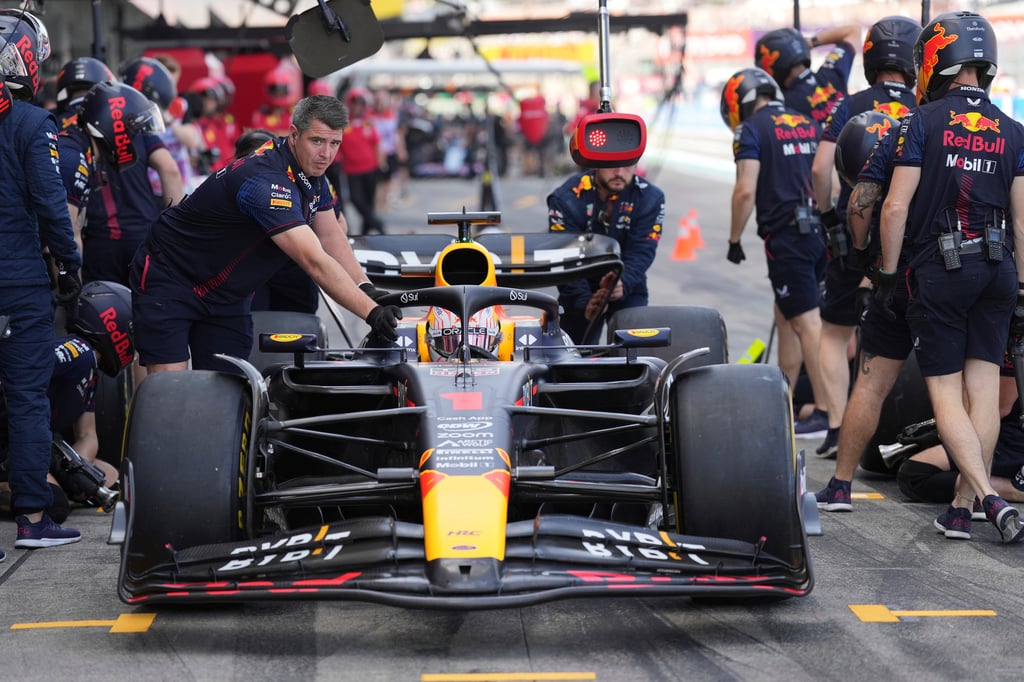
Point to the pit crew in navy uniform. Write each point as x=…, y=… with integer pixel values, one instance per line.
x=774, y=148
x=786, y=56
x=885, y=342
x=192, y=279
x=33, y=209
x=959, y=176
x=889, y=68
x=73, y=81
x=619, y=203
x=122, y=205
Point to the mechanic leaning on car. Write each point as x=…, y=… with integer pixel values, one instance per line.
x=619, y=203
x=958, y=179
x=33, y=209
x=192, y=278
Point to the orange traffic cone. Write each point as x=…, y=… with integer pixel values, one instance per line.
x=688, y=239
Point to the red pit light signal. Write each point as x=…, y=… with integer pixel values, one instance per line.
x=608, y=140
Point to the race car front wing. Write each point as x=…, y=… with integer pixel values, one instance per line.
x=382, y=560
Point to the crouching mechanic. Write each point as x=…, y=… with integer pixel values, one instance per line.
x=192, y=279
x=100, y=338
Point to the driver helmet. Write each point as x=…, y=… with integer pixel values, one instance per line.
x=444, y=330
x=20, y=61
x=136, y=115
x=104, y=319
x=77, y=76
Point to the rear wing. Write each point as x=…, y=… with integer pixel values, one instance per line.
x=526, y=261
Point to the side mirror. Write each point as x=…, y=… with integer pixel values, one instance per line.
x=608, y=140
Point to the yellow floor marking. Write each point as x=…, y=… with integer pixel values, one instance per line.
x=867, y=496
x=126, y=622
x=879, y=613
x=495, y=677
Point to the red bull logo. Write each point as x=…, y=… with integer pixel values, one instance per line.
x=822, y=96
x=930, y=55
x=732, y=99
x=974, y=121
x=767, y=58
x=895, y=109
x=122, y=342
x=794, y=127
x=28, y=56
x=791, y=120
x=144, y=71
x=879, y=129
x=123, y=152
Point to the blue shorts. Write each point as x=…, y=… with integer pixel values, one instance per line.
x=796, y=264
x=961, y=314
x=172, y=324
x=882, y=337
x=839, y=301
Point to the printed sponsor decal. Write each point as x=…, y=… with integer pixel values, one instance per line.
x=642, y=333
x=281, y=203
x=285, y=338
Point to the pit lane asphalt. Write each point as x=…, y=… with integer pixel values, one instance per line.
x=893, y=599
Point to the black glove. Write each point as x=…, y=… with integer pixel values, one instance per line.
x=736, y=254
x=383, y=320
x=69, y=285
x=885, y=283
x=373, y=292
x=864, y=295
x=862, y=262
x=1017, y=321
x=830, y=218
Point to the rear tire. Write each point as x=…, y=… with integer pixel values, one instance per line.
x=735, y=466
x=187, y=443
x=692, y=327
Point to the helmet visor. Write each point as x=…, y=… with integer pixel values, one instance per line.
x=149, y=121
x=11, y=63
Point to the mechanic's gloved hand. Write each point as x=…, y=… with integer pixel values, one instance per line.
x=69, y=285
x=863, y=262
x=885, y=284
x=736, y=254
x=383, y=321
x=372, y=291
x=830, y=218
x=596, y=304
x=1017, y=321
x=864, y=295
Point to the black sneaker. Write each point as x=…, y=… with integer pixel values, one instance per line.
x=978, y=511
x=835, y=497
x=815, y=426
x=955, y=523
x=45, y=533
x=3, y=555
x=1005, y=518
x=830, y=446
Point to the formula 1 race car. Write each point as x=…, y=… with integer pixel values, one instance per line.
x=481, y=461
